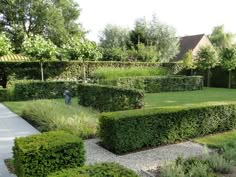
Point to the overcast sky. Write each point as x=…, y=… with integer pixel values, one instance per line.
x=187, y=16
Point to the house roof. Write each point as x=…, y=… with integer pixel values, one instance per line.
x=187, y=43
x=14, y=57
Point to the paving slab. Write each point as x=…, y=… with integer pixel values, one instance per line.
x=11, y=126
x=143, y=160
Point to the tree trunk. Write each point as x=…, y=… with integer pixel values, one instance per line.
x=208, y=77
x=84, y=72
x=230, y=76
x=42, y=73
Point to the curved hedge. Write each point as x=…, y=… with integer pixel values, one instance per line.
x=155, y=84
x=127, y=131
x=97, y=170
x=109, y=98
x=39, y=155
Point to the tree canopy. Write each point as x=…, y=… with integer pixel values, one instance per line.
x=220, y=38
x=53, y=19
x=5, y=45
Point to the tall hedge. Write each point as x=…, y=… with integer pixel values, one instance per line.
x=40, y=155
x=127, y=131
x=97, y=170
x=43, y=90
x=69, y=70
x=109, y=98
x=153, y=84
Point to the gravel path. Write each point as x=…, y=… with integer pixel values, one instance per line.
x=11, y=126
x=143, y=160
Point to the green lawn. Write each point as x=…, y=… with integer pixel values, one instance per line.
x=207, y=95
x=218, y=140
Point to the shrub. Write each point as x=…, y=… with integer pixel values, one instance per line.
x=39, y=155
x=158, y=84
x=48, y=115
x=97, y=170
x=109, y=98
x=126, y=131
x=43, y=90
x=115, y=73
x=219, y=164
x=172, y=170
x=4, y=95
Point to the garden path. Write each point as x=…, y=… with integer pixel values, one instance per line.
x=11, y=126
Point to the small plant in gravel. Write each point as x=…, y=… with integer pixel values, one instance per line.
x=172, y=170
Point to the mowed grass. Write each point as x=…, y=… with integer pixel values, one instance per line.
x=218, y=140
x=188, y=98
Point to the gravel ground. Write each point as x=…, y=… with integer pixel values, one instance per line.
x=143, y=160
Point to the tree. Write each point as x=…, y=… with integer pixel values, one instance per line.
x=114, y=37
x=207, y=59
x=228, y=61
x=188, y=61
x=53, y=19
x=5, y=45
x=83, y=50
x=39, y=49
x=220, y=38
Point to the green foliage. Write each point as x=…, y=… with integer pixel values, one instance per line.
x=54, y=20
x=37, y=48
x=127, y=131
x=220, y=38
x=188, y=61
x=39, y=155
x=109, y=98
x=114, y=54
x=116, y=73
x=154, y=84
x=4, y=95
x=97, y=170
x=207, y=57
x=145, y=53
x=43, y=90
x=5, y=45
x=218, y=164
x=172, y=170
x=228, y=58
x=47, y=115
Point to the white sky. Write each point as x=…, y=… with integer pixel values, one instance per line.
x=187, y=16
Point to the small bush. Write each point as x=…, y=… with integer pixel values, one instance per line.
x=39, y=155
x=109, y=98
x=4, y=95
x=200, y=170
x=98, y=170
x=158, y=84
x=43, y=90
x=172, y=170
x=219, y=164
x=47, y=115
x=126, y=131
x=229, y=152
x=115, y=73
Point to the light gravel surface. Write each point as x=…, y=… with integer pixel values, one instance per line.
x=143, y=160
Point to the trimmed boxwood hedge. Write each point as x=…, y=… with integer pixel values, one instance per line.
x=4, y=95
x=39, y=155
x=153, y=84
x=127, y=131
x=109, y=98
x=43, y=90
x=97, y=170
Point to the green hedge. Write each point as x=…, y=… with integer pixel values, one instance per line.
x=126, y=131
x=97, y=170
x=4, y=95
x=153, y=84
x=109, y=98
x=43, y=90
x=39, y=155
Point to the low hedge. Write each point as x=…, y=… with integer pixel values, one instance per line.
x=127, y=131
x=97, y=170
x=43, y=90
x=109, y=98
x=39, y=155
x=153, y=84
